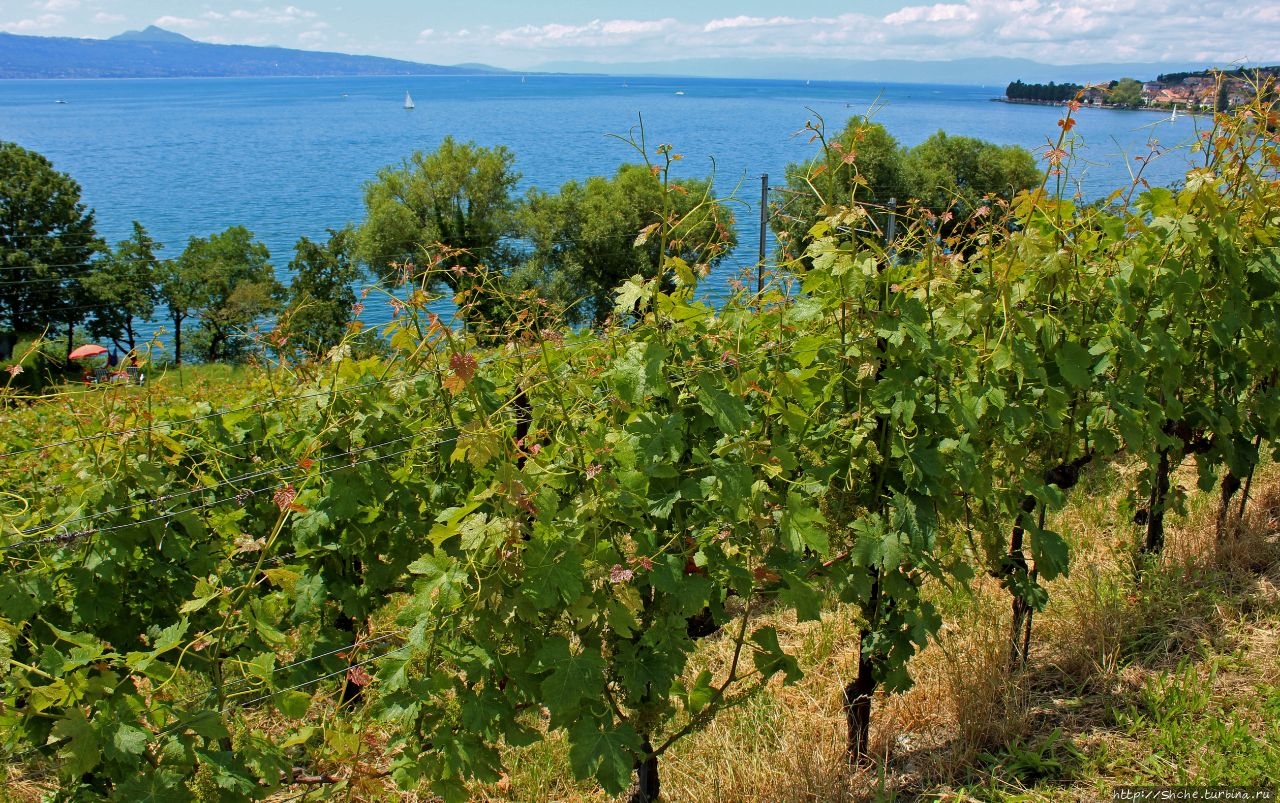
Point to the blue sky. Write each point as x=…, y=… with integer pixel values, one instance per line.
x=523, y=34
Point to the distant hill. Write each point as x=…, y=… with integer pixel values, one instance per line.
x=972, y=71
x=153, y=34
x=157, y=53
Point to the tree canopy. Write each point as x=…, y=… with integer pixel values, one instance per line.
x=592, y=236
x=321, y=296
x=452, y=208
x=862, y=165
x=957, y=174
x=865, y=167
x=227, y=280
x=126, y=288
x=47, y=240
x=1126, y=92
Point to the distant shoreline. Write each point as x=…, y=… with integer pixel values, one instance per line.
x=1030, y=102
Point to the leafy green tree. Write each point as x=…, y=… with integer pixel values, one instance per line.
x=960, y=174
x=449, y=213
x=180, y=291
x=592, y=236
x=321, y=296
x=861, y=166
x=1126, y=92
x=126, y=288
x=47, y=240
x=232, y=284
x=864, y=169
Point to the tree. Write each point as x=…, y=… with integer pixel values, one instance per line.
x=180, y=291
x=321, y=297
x=1222, y=100
x=591, y=237
x=1126, y=92
x=448, y=212
x=861, y=166
x=949, y=176
x=960, y=174
x=47, y=240
x=125, y=287
x=228, y=280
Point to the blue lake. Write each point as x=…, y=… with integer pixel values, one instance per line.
x=290, y=157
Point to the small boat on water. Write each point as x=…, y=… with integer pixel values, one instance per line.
x=408, y=101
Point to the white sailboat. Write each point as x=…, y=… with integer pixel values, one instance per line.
x=408, y=101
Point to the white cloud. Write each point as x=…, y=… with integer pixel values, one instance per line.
x=57, y=5
x=187, y=23
x=596, y=34
x=43, y=22
x=272, y=16
x=1054, y=31
x=730, y=23
x=940, y=12
x=105, y=18
x=1060, y=31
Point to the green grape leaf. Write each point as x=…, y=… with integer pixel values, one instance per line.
x=82, y=751
x=804, y=525
x=1075, y=364
x=801, y=596
x=1051, y=553
x=125, y=743
x=638, y=373
x=700, y=693
x=606, y=755
x=293, y=704
x=770, y=658
x=573, y=677
x=727, y=410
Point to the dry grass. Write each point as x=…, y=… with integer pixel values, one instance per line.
x=969, y=726
x=786, y=739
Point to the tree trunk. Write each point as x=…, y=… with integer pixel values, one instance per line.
x=647, y=788
x=177, y=340
x=1248, y=480
x=1016, y=563
x=1155, y=509
x=857, y=707
x=351, y=692
x=1230, y=484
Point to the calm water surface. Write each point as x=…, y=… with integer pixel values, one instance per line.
x=290, y=157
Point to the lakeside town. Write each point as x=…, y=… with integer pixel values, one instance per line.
x=1204, y=90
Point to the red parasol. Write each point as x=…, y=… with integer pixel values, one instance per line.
x=89, y=350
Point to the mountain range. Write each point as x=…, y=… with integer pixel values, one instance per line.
x=157, y=53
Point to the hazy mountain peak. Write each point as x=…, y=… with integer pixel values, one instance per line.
x=152, y=34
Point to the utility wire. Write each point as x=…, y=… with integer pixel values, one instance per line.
x=228, y=482
x=79, y=535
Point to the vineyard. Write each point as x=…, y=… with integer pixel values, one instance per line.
x=367, y=574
